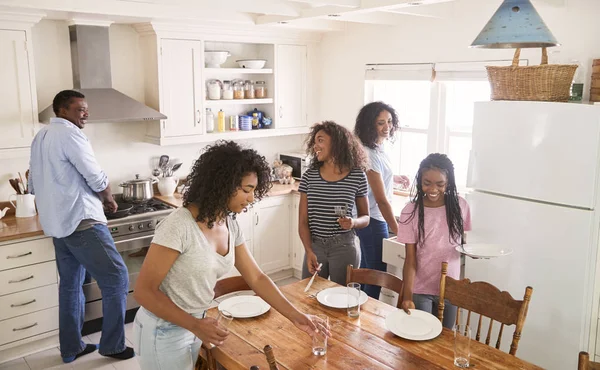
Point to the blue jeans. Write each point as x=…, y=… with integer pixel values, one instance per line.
x=92, y=250
x=371, y=248
x=429, y=303
x=162, y=345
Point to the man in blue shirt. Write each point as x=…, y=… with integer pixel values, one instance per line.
x=70, y=191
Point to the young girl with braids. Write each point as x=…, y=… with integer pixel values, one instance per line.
x=431, y=226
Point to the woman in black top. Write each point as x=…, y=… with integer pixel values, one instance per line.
x=329, y=190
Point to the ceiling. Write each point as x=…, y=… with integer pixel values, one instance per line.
x=321, y=15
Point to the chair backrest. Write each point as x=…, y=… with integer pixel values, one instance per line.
x=374, y=277
x=271, y=357
x=230, y=285
x=585, y=363
x=486, y=300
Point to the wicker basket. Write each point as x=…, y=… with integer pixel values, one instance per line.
x=546, y=82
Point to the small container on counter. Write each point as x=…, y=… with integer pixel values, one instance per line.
x=233, y=123
x=213, y=88
x=249, y=90
x=260, y=90
x=238, y=90
x=255, y=123
x=227, y=90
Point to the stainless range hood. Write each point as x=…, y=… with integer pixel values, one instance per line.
x=90, y=57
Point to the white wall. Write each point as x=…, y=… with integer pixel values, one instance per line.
x=419, y=39
x=119, y=147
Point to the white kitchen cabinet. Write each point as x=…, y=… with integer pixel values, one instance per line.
x=18, y=101
x=272, y=233
x=291, y=72
x=297, y=246
x=181, y=88
x=245, y=221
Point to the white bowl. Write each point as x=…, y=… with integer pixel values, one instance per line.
x=214, y=59
x=251, y=63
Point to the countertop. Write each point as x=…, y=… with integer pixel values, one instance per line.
x=278, y=189
x=12, y=228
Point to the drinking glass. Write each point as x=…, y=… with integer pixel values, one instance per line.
x=462, y=345
x=319, y=339
x=224, y=318
x=353, y=299
x=340, y=211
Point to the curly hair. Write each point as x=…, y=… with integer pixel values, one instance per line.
x=366, y=120
x=454, y=218
x=217, y=175
x=346, y=151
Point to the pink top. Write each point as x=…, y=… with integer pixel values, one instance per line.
x=435, y=246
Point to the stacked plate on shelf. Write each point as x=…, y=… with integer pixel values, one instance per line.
x=245, y=123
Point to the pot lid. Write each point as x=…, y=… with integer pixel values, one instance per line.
x=138, y=180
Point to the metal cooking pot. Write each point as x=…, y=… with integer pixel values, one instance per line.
x=138, y=190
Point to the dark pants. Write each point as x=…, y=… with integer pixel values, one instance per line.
x=335, y=253
x=92, y=250
x=429, y=303
x=371, y=248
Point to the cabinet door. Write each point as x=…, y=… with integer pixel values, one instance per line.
x=272, y=234
x=245, y=220
x=297, y=246
x=291, y=86
x=181, y=87
x=17, y=117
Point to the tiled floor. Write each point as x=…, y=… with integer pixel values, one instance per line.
x=50, y=359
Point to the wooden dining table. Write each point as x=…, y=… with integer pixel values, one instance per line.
x=355, y=343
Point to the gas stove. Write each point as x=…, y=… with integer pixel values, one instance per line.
x=142, y=218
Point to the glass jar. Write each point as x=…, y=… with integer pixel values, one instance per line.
x=260, y=90
x=213, y=88
x=238, y=90
x=249, y=90
x=227, y=90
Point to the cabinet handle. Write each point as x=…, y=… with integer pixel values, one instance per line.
x=19, y=256
x=256, y=219
x=25, y=327
x=198, y=117
x=22, y=304
x=280, y=111
x=18, y=281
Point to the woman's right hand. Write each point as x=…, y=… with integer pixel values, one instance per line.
x=208, y=331
x=311, y=262
x=408, y=305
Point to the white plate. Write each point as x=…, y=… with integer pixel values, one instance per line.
x=484, y=250
x=419, y=325
x=244, y=306
x=338, y=297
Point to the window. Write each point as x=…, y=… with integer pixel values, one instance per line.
x=434, y=116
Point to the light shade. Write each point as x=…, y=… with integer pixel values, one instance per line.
x=516, y=24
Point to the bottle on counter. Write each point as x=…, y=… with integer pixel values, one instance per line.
x=210, y=121
x=221, y=121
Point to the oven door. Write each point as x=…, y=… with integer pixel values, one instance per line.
x=132, y=249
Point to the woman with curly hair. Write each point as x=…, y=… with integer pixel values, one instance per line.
x=377, y=122
x=329, y=190
x=192, y=248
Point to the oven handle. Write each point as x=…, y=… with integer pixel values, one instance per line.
x=133, y=239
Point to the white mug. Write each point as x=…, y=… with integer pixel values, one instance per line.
x=167, y=185
x=25, y=206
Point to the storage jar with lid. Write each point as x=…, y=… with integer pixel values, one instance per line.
x=213, y=88
x=238, y=90
x=260, y=90
x=227, y=90
x=249, y=90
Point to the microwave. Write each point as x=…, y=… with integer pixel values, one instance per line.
x=299, y=162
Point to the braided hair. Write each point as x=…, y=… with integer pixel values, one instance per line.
x=442, y=163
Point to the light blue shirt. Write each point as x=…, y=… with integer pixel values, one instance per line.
x=380, y=162
x=65, y=177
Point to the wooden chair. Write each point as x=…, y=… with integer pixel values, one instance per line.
x=225, y=286
x=486, y=300
x=585, y=363
x=374, y=277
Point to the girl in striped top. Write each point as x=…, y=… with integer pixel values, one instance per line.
x=329, y=190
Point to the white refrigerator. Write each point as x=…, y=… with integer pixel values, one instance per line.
x=534, y=178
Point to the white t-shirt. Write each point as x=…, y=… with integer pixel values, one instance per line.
x=380, y=163
x=191, y=280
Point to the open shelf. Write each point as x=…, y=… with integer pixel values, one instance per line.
x=214, y=103
x=237, y=71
